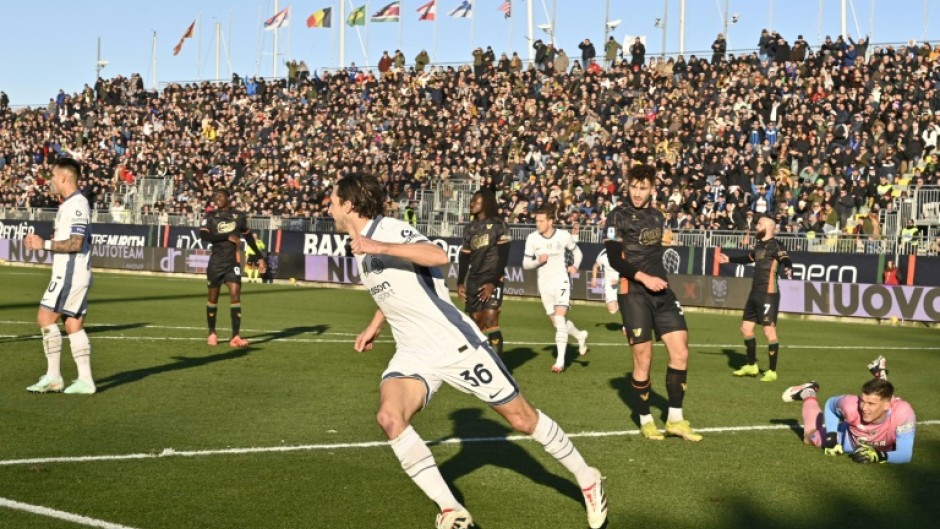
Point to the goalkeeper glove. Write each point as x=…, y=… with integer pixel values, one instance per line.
x=867, y=454
x=832, y=447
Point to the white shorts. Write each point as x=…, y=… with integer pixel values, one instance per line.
x=556, y=294
x=610, y=293
x=67, y=295
x=480, y=372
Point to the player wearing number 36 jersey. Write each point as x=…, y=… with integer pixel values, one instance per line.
x=435, y=343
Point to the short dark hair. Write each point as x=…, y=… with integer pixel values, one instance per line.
x=490, y=208
x=880, y=387
x=548, y=210
x=643, y=172
x=365, y=192
x=71, y=165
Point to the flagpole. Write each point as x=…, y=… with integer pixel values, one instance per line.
x=473, y=25
x=401, y=26
x=153, y=63
x=277, y=9
x=530, y=16
x=258, y=45
x=554, y=22
x=510, y=19
x=228, y=45
x=218, y=50
x=198, y=44
x=437, y=17
x=342, y=34
x=366, y=22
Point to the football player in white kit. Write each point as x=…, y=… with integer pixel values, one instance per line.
x=610, y=277
x=67, y=294
x=546, y=249
x=435, y=343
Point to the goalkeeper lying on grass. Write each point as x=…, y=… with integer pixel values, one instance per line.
x=874, y=427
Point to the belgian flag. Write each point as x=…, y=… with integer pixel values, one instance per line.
x=320, y=19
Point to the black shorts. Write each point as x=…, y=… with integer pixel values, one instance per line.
x=762, y=308
x=644, y=312
x=475, y=305
x=253, y=259
x=223, y=272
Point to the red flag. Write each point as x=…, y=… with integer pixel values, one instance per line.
x=428, y=11
x=190, y=31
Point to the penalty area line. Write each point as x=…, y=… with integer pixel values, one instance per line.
x=61, y=515
x=169, y=452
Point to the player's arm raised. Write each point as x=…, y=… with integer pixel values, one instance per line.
x=420, y=253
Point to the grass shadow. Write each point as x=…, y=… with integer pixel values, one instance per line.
x=571, y=355
x=517, y=357
x=287, y=333
x=477, y=451
x=180, y=362
x=793, y=424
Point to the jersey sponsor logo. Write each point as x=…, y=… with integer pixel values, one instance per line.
x=226, y=227
x=479, y=241
x=382, y=291
x=651, y=236
x=409, y=235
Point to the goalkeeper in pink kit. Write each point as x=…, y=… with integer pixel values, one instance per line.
x=873, y=427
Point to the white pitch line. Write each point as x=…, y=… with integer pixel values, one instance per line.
x=169, y=452
x=172, y=327
x=61, y=515
x=868, y=347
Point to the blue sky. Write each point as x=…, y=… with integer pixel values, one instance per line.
x=50, y=45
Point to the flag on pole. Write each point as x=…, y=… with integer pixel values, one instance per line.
x=357, y=17
x=389, y=13
x=320, y=19
x=428, y=11
x=506, y=8
x=464, y=10
x=279, y=20
x=190, y=31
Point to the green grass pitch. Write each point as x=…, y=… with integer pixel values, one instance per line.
x=282, y=434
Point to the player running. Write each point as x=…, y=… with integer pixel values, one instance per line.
x=547, y=249
x=435, y=343
x=224, y=227
x=482, y=263
x=763, y=303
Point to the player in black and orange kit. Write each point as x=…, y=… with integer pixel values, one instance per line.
x=633, y=239
x=224, y=227
x=482, y=262
x=763, y=302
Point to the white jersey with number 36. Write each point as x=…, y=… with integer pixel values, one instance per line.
x=414, y=299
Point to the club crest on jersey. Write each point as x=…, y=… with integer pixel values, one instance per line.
x=373, y=265
x=409, y=235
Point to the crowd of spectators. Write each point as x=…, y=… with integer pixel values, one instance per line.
x=819, y=139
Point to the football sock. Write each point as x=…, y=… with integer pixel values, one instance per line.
x=812, y=418
x=558, y=445
x=561, y=339
x=674, y=414
x=496, y=339
x=675, y=386
x=236, y=312
x=52, y=346
x=645, y=419
x=419, y=464
x=751, y=345
x=641, y=388
x=572, y=330
x=772, y=350
x=211, y=310
x=81, y=353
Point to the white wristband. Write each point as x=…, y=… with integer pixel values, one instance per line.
x=47, y=245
